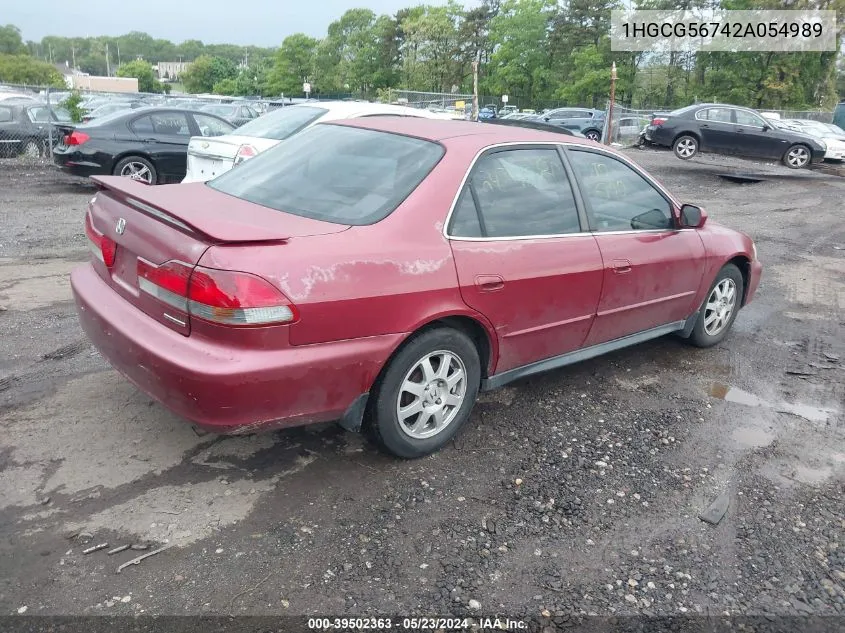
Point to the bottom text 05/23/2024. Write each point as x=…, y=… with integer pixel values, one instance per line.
x=480, y=624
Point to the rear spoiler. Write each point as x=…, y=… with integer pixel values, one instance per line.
x=132, y=191
x=186, y=207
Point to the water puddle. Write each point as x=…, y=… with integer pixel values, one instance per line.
x=733, y=394
x=749, y=437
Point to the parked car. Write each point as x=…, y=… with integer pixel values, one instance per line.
x=831, y=135
x=149, y=144
x=208, y=158
x=236, y=114
x=25, y=127
x=533, y=124
x=382, y=271
x=508, y=109
x=485, y=114
x=111, y=108
x=839, y=114
x=728, y=129
x=16, y=96
x=587, y=121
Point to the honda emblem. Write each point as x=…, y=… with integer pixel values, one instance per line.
x=121, y=226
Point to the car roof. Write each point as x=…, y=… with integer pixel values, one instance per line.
x=456, y=132
x=343, y=109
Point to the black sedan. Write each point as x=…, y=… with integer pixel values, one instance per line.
x=728, y=129
x=25, y=127
x=149, y=144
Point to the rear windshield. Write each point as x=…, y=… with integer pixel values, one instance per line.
x=282, y=123
x=682, y=111
x=220, y=110
x=334, y=173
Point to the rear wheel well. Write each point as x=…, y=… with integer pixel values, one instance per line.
x=692, y=134
x=744, y=265
x=469, y=326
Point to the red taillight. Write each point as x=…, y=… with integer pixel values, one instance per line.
x=245, y=152
x=220, y=296
x=658, y=120
x=103, y=247
x=76, y=138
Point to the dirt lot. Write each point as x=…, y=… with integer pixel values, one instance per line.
x=576, y=492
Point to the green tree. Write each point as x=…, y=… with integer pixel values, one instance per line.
x=73, y=104
x=205, y=72
x=23, y=69
x=143, y=72
x=520, y=64
x=293, y=65
x=10, y=40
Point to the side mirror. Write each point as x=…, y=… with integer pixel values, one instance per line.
x=692, y=217
x=766, y=127
x=547, y=119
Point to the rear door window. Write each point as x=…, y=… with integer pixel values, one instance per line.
x=334, y=173
x=519, y=193
x=5, y=115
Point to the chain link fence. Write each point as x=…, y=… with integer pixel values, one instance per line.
x=31, y=117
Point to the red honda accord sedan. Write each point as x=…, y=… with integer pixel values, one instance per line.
x=382, y=271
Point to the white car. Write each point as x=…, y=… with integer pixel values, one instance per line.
x=210, y=155
x=832, y=135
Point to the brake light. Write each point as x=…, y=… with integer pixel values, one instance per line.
x=76, y=138
x=103, y=247
x=219, y=296
x=245, y=152
x=658, y=120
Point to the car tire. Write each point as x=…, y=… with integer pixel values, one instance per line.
x=718, y=312
x=137, y=168
x=593, y=135
x=31, y=149
x=685, y=146
x=797, y=156
x=419, y=365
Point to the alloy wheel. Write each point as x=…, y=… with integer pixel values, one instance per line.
x=137, y=171
x=798, y=157
x=719, y=307
x=431, y=394
x=686, y=147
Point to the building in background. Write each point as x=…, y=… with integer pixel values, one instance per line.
x=104, y=84
x=171, y=71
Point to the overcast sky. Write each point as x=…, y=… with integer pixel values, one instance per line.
x=258, y=22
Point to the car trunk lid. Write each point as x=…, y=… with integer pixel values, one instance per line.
x=209, y=157
x=131, y=224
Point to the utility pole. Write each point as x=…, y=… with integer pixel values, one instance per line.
x=609, y=138
x=475, y=90
x=73, y=56
x=118, y=54
x=108, y=68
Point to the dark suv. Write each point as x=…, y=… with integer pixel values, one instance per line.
x=588, y=122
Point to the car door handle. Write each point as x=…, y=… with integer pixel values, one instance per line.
x=150, y=140
x=739, y=131
x=489, y=283
x=704, y=125
x=621, y=266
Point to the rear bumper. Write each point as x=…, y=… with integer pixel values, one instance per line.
x=223, y=388
x=78, y=164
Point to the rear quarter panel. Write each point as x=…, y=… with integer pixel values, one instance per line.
x=390, y=277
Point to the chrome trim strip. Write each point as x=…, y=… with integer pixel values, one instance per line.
x=159, y=214
x=646, y=303
x=574, y=146
x=173, y=319
x=546, y=326
x=214, y=156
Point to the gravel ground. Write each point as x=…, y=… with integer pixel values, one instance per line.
x=574, y=493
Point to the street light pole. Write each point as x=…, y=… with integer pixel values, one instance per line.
x=612, y=98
